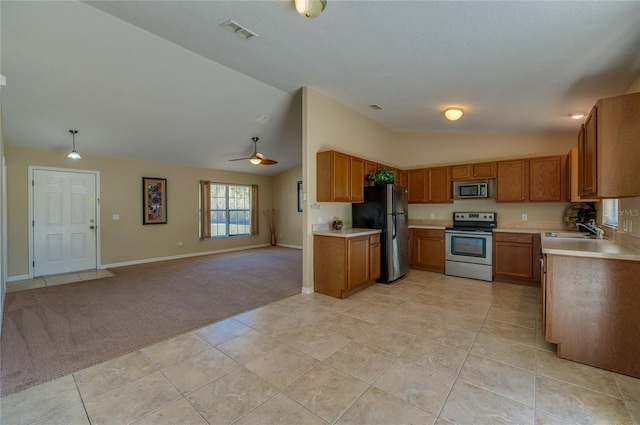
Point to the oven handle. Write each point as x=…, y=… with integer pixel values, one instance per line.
x=462, y=233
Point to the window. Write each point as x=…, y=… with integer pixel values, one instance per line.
x=226, y=210
x=610, y=212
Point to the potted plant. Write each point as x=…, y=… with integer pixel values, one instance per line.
x=383, y=176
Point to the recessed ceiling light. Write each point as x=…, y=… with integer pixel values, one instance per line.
x=576, y=116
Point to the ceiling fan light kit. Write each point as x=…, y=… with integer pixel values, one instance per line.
x=310, y=8
x=257, y=158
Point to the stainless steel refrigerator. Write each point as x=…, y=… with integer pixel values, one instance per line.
x=385, y=207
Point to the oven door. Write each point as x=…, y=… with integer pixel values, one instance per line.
x=469, y=247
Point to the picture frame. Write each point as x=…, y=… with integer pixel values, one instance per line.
x=300, y=196
x=154, y=200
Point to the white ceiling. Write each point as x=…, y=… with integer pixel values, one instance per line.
x=160, y=80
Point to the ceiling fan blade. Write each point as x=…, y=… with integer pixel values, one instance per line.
x=238, y=159
x=265, y=161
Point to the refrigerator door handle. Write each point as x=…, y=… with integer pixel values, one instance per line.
x=394, y=232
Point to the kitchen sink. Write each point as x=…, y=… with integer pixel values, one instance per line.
x=568, y=235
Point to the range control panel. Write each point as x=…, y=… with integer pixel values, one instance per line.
x=488, y=219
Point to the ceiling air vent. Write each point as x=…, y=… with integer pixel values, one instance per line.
x=238, y=29
x=375, y=107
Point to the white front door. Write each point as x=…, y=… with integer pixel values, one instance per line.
x=64, y=221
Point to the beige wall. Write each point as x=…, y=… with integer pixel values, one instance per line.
x=431, y=149
x=127, y=240
x=414, y=150
x=327, y=125
x=285, y=198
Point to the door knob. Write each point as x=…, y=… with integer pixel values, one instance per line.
x=92, y=227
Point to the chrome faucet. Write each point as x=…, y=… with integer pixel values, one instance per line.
x=593, y=229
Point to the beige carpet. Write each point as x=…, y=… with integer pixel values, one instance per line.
x=49, y=332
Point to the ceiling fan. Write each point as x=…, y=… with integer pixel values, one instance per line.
x=257, y=158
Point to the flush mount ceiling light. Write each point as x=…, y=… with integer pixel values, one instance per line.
x=576, y=116
x=73, y=154
x=453, y=114
x=310, y=8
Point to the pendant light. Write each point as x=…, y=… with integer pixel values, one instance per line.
x=73, y=154
x=310, y=8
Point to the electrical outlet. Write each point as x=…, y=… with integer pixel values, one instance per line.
x=319, y=219
x=524, y=217
x=179, y=243
x=432, y=216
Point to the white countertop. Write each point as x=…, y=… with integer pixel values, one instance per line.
x=520, y=230
x=594, y=248
x=347, y=233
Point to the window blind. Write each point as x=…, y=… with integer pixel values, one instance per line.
x=610, y=212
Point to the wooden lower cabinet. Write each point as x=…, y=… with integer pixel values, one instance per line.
x=516, y=257
x=342, y=266
x=426, y=249
x=592, y=311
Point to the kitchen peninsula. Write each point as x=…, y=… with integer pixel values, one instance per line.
x=591, y=302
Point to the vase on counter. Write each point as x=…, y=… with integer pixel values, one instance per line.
x=273, y=239
x=337, y=224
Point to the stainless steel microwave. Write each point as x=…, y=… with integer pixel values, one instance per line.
x=473, y=189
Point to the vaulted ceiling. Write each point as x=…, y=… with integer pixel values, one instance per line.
x=162, y=81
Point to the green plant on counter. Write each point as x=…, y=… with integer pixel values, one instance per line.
x=383, y=176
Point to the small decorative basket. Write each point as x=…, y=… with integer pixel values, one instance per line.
x=337, y=224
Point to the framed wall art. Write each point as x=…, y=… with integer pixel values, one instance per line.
x=154, y=200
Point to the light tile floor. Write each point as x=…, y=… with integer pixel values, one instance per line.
x=430, y=349
x=58, y=279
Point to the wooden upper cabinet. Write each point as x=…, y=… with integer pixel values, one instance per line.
x=513, y=181
x=573, y=181
x=609, y=154
x=545, y=179
x=439, y=185
x=588, y=152
x=416, y=185
x=356, y=180
x=484, y=170
x=370, y=167
x=339, y=177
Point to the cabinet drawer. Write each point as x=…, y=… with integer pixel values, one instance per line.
x=513, y=237
x=429, y=233
x=374, y=239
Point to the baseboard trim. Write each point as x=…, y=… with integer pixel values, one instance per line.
x=176, y=257
x=307, y=290
x=17, y=278
x=289, y=246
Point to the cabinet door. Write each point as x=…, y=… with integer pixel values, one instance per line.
x=341, y=174
x=356, y=181
x=440, y=185
x=370, y=167
x=461, y=172
x=589, y=155
x=357, y=261
x=545, y=179
x=374, y=261
x=426, y=249
x=416, y=186
x=486, y=170
x=513, y=255
x=430, y=252
x=512, y=181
